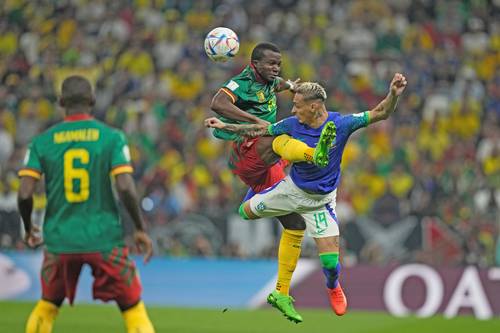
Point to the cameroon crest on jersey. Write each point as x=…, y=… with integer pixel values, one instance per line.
x=250, y=95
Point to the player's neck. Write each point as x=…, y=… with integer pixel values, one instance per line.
x=259, y=78
x=317, y=122
x=77, y=114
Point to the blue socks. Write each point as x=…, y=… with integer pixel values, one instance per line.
x=331, y=268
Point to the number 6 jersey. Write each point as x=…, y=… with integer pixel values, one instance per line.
x=78, y=158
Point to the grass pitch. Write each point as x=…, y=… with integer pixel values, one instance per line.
x=84, y=318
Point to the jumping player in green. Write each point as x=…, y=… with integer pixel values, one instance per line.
x=78, y=157
x=250, y=97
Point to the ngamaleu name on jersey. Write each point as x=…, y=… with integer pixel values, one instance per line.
x=80, y=135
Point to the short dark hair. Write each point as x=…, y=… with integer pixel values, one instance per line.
x=258, y=50
x=76, y=91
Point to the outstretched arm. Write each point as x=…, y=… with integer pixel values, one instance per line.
x=223, y=104
x=249, y=130
x=286, y=85
x=388, y=105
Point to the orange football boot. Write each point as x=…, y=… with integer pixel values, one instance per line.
x=338, y=301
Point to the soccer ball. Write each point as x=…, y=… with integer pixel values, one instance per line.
x=221, y=44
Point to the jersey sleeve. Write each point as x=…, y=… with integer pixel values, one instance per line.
x=355, y=121
x=235, y=88
x=284, y=126
x=31, y=165
x=120, y=157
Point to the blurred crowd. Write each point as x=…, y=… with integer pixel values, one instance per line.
x=438, y=156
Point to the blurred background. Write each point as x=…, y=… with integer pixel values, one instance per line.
x=423, y=186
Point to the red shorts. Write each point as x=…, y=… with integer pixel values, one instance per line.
x=115, y=276
x=246, y=163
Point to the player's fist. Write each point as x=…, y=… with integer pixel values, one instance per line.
x=398, y=84
x=33, y=238
x=143, y=244
x=292, y=85
x=214, y=123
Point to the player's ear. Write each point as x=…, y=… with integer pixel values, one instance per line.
x=62, y=102
x=92, y=100
x=315, y=110
x=313, y=105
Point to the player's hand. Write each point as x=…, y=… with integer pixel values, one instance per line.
x=292, y=85
x=33, y=238
x=398, y=84
x=144, y=245
x=262, y=122
x=214, y=123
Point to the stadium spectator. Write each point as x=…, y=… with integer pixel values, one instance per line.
x=449, y=118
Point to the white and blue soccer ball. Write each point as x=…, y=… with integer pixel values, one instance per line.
x=221, y=44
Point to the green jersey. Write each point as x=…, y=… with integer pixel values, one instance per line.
x=77, y=158
x=250, y=95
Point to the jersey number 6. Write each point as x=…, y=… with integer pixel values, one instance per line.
x=79, y=174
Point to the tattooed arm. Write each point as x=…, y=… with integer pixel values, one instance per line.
x=388, y=105
x=249, y=130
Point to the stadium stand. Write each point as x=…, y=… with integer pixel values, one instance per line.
x=424, y=185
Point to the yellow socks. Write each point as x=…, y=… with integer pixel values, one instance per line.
x=292, y=150
x=42, y=317
x=288, y=255
x=137, y=320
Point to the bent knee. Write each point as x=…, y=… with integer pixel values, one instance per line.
x=280, y=141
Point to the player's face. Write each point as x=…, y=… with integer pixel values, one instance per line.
x=302, y=109
x=269, y=66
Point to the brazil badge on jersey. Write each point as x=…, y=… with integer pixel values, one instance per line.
x=77, y=159
x=250, y=95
